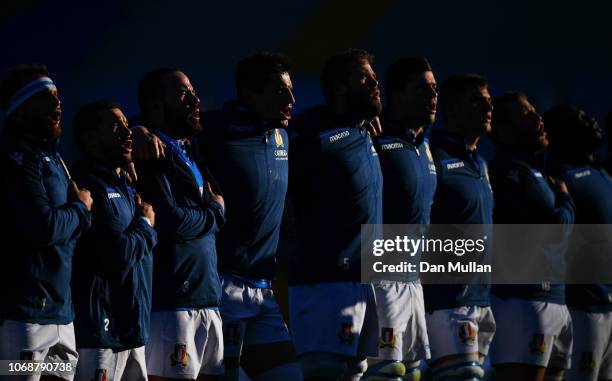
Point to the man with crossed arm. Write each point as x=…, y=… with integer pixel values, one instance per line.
x=186, y=340
x=48, y=212
x=114, y=261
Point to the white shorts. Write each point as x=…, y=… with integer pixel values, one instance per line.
x=104, y=364
x=335, y=318
x=40, y=342
x=401, y=319
x=592, y=359
x=184, y=344
x=460, y=330
x=532, y=332
x=251, y=316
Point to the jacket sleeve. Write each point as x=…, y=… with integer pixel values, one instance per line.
x=564, y=212
x=37, y=218
x=177, y=222
x=122, y=248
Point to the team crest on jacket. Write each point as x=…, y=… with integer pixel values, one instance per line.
x=537, y=344
x=100, y=375
x=467, y=332
x=387, y=338
x=180, y=357
x=587, y=362
x=278, y=138
x=428, y=152
x=345, y=335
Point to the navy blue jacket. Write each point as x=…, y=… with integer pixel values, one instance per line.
x=523, y=196
x=409, y=175
x=249, y=160
x=336, y=185
x=185, y=270
x=113, y=265
x=40, y=232
x=591, y=188
x=463, y=196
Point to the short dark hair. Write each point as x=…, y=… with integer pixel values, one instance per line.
x=150, y=87
x=18, y=76
x=336, y=69
x=253, y=72
x=400, y=72
x=454, y=88
x=86, y=119
x=502, y=114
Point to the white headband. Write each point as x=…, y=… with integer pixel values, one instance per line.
x=27, y=91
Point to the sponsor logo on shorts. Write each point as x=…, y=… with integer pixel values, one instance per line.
x=345, y=335
x=100, y=375
x=467, y=333
x=387, y=338
x=231, y=333
x=26, y=356
x=180, y=357
x=537, y=344
x=586, y=362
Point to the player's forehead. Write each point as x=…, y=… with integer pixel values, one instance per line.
x=177, y=80
x=421, y=78
x=475, y=92
x=361, y=66
x=524, y=103
x=117, y=114
x=279, y=80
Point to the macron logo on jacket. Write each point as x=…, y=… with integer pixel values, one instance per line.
x=113, y=195
x=338, y=136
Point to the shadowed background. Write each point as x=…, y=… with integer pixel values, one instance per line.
x=551, y=51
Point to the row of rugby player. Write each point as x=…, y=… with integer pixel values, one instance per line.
x=140, y=247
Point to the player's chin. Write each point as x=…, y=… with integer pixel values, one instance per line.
x=428, y=118
x=194, y=128
x=52, y=131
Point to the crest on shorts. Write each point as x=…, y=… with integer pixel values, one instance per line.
x=387, y=338
x=231, y=333
x=345, y=335
x=537, y=344
x=100, y=375
x=467, y=332
x=26, y=356
x=586, y=362
x=180, y=357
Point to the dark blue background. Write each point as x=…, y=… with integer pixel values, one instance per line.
x=554, y=52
